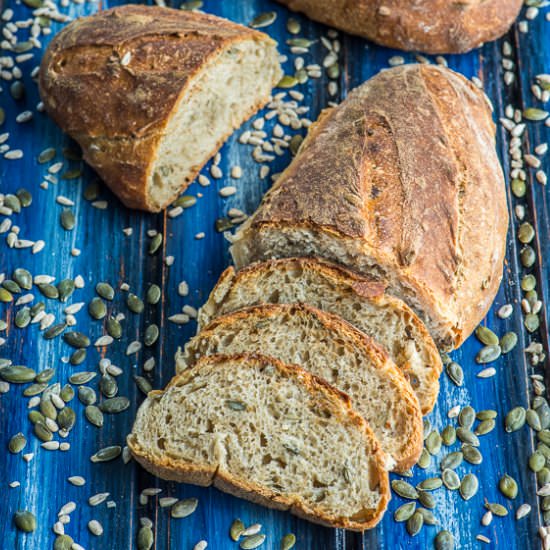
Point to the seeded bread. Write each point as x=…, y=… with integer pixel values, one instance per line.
x=267, y=432
x=401, y=183
x=360, y=301
x=329, y=348
x=151, y=93
x=432, y=26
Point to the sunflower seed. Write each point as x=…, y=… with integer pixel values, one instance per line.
x=24, y=521
x=430, y=484
x=94, y=415
x=466, y=417
x=486, y=336
x=488, y=354
x=237, y=527
x=515, y=419
x=106, y=454
x=105, y=290
x=415, y=524
x=134, y=303
x=455, y=373
x=153, y=294
x=17, y=443
x=184, y=508
x=404, y=489
x=444, y=540
x=508, y=486
x=77, y=481
x=17, y=374
x=97, y=308
x=251, y=542
x=469, y=486
x=95, y=527
x=450, y=479
x=98, y=498
x=522, y=511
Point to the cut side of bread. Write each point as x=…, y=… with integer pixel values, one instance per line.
x=178, y=83
x=267, y=432
x=360, y=301
x=329, y=348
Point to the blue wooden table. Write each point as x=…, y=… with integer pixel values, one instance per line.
x=111, y=255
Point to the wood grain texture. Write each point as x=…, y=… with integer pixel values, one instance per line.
x=107, y=254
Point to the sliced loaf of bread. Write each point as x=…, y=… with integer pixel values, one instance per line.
x=332, y=349
x=360, y=301
x=271, y=433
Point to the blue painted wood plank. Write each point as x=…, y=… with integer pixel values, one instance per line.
x=109, y=255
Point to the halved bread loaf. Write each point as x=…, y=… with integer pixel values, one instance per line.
x=271, y=433
x=358, y=300
x=332, y=349
x=151, y=93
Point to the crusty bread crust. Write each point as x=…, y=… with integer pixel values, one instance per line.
x=432, y=26
x=118, y=112
x=184, y=472
x=233, y=282
x=402, y=175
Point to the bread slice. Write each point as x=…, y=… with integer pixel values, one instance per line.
x=268, y=432
x=151, y=93
x=401, y=182
x=360, y=301
x=332, y=349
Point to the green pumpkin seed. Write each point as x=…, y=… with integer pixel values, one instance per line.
x=450, y=479
x=155, y=243
x=143, y=384
x=54, y=331
x=134, y=303
x=526, y=233
x=87, y=395
x=444, y=541
x=34, y=389
x=293, y=26
x=508, y=342
x=543, y=476
x=115, y=405
x=223, y=224
x=91, y=191
x=433, y=443
x=45, y=376
x=36, y=416
x=82, y=377
x=466, y=417
x=25, y=197
x=107, y=454
x=17, y=90
x=63, y=542
x=430, y=484
x=235, y=405
x=288, y=541
x=487, y=414
x=108, y=386
x=94, y=415
x=466, y=436
x=295, y=144
x=76, y=339
x=153, y=294
x=3, y=113
x=424, y=460
x=429, y=518
x=17, y=443
x=543, y=411
x=287, y=81
x=114, y=328
x=49, y=291
x=508, y=486
x=486, y=336
x=47, y=408
x=23, y=278
x=404, y=489
x=528, y=256
x=67, y=393
x=534, y=114
x=488, y=354
x=237, y=527
x=17, y=374
x=5, y=296
x=184, y=508
x=544, y=436
x=185, y=201
x=426, y=499
x=105, y=290
x=12, y=202
x=151, y=335
x=263, y=20
x=301, y=76
x=496, y=509
x=415, y=524
x=23, y=317
x=66, y=418
x=68, y=220
x=404, y=512
x=537, y=461
x=300, y=42
x=42, y=432
x=485, y=427
x=529, y=282
x=24, y=521
x=452, y=460
x=97, y=308
x=78, y=357
x=469, y=486
x=333, y=71
x=455, y=373
x=145, y=539
x=46, y=155
x=531, y=322
x=66, y=288
x=12, y=286
x=448, y=436
x=533, y=420
x=72, y=174
x=515, y=419
x=545, y=505
x=251, y=542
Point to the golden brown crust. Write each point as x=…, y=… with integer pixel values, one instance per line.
x=432, y=26
x=183, y=472
x=117, y=112
x=420, y=191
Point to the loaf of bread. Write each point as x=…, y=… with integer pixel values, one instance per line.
x=271, y=433
x=151, y=93
x=360, y=301
x=401, y=183
x=432, y=26
x=327, y=347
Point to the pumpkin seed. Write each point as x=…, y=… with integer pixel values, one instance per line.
x=534, y=114
x=151, y=335
x=531, y=322
x=63, y=542
x=46, y=155
x=134, y=303
x=533, y=420
x=49, y=291
x=429, y=518
x=23, y=278
x=17, y=374
x=45, y=376
x=115, y=405
x=17, y=443
x=496, y=509
x=300, y=42
x=145, y=539
x=237, y=527
x=155, y=243
x=12, y=202
x=143, y=384
x=68, y=220
x=97, y=308
x=433, y=443
x=114, y=328
x=288, y=541
x=66, y=418
x=87, y=395
x=515, y=419
x=488, y=354
x=415, y=524
x=251, y=542
x=184, y=508
x=529, y=282
x=5, y=295
x=293, y=26
x=34, y=389
x=65, y=288
x=107, y=454
x=469, y=486
x=444, y=541
x=42, y=431
x=295, y=144
x=544, y=436
x=108, y=386
x=263, y=20
x=455, y=373
x=452, y=460
x=191, y=5
x=537, y=461
x=287, y=81
x=185, y=201
x=94, y=415
x=235, y=405
x=487, y=414
x=54, y=331
x=12, y=286
x=105, y=290
x=543, y=411
x=424, y=459
x=67, y=393
x=528, y=256
x=508, y=486
x=543, y=476
x=47, y=408
x=430, y=484
x=526, y=233
x=36, y=416
x=468, y=437
x=448, y=436
x=91, y=191
x=82, y=377
x=24, y=521
x=466, y=417
x=78, y=357
x=404, y=512
x=153, y=294
x=76, y=339
x=404, y=489
x=485, y=427
x=25, y=197
x=23, y=317
x=450, y=479
x=37, y=308
x=426, y=499
x=486, y=336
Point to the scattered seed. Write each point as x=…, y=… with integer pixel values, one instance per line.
x=105, y=290
x=17, y=374
x=522, y=511
x=466, y=417
x=288, y=541
x=145, y=539
x=155, y=243
x=486, y=336
x=469, y=486
x=184, y=508
x=263, y=20
x=94, y=415
x=17, y=443
x=488, y=354
x=450, y=479
x=25, y=521
x=153, y=294
x=237, y=527
x=455, y=373
x=430, y=484
x=115, y=405
x=515, y=419
x=496, y=509
x=485, y=427
x=82, y=377
x=106, y=454
x=404, y=489
x=415, y=524
x=97, y=308
x=151, y=335
x=508, y=486
x=404, y=512
x=444, y=540
x=134, y=303
x=452, y=460
x=251, y=542
x=114, y=328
